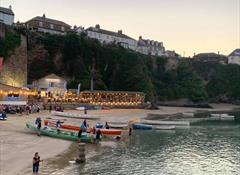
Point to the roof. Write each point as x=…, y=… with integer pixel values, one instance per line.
x=51, y=76
x=211, y=54
x=236, y=52
x=6, y=11
x=52, y=21
x=98, y=91
x=107, y=32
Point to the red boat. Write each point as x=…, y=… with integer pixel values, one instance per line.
x=113, y=132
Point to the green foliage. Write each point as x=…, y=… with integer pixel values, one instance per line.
x=225, y=83
x=9, y=43
x=115, y=68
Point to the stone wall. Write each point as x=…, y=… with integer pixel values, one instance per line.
x=15, y=67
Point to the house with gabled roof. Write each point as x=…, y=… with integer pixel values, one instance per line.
x=150, y=47
x=108, y=37
x=234, y=57
x=6, y=15
x=47, y=25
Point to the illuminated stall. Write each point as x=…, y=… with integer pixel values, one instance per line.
x=113, y=98
x=10, y=95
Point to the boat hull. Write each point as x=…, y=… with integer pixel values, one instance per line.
x=61, y=135
x=111, y=132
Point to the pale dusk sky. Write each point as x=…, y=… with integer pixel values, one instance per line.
x=186, y=26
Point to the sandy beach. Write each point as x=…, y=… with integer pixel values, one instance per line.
x=17, y=145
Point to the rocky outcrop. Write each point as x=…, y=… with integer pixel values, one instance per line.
x=14, y=71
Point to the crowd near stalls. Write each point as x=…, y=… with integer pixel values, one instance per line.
x=13, y=109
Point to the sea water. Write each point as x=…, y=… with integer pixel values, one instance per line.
x=207, y=148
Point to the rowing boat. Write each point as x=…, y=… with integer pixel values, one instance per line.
x=71, y=115
x=152, y=127
x=111, y=132
x=142, y=126
x=164, y=127
x=66, y=135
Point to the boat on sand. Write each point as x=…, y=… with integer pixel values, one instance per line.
x=66, y=135
x=111, y=132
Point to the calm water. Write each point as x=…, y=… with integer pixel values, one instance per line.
x=208, y=148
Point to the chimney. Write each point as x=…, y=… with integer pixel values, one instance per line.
x=10, y=7
x=140, y=37
x=120, y=32
x=44, y=16
x=97, y=26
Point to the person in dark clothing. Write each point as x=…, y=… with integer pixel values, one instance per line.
x=50, y=108
x=39, y=125
x=36, y=161
x=106, y=125
x=98, y=135
x=79, y=135
x=130, y=131
x=85, y=123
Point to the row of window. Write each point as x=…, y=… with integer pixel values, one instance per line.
x=51, y=26
x=108, y=38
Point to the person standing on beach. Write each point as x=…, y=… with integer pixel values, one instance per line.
x=50, y=108
x=36, y=161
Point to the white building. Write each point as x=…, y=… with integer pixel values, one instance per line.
x=234, y=57
x=150, y=47
x=108, y=37
x=6, y=15
x=52, y=83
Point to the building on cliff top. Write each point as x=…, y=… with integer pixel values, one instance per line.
x=110, y=37
x=6, y=15
x=150, y=47
x=210, y=57
x=47, y=25
x=234, y=57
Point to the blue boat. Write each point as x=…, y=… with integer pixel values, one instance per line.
x=99, y=126
x=3, y=117
x=142, y=126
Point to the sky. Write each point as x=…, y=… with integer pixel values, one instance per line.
x=186, y=26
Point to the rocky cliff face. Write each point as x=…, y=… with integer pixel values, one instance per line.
x=15, y=67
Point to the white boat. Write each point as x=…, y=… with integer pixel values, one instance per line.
x=188, y=114
x=118, y=126
x=71, y=115
x=164, y=122
x=164, y=127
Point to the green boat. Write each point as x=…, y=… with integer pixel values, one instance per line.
x=66, y=135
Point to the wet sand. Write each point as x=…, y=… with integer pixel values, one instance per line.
x=17, y=145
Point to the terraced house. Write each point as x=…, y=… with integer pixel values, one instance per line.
x=107, y=37
x=47, y=25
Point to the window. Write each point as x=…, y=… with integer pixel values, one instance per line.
x=62, y=28
x=40, y=24
x=51, y=26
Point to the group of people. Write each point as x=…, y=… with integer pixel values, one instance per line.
x=13, y=109
x=94, y=132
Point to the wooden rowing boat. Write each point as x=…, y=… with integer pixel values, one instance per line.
x=164, y=127
x=66, y=135
x=111, y=132
x=71, y=115
x=142, y=126
x=152, y=127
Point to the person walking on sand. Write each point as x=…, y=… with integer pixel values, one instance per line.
x=36, y=161
x=39, y=125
